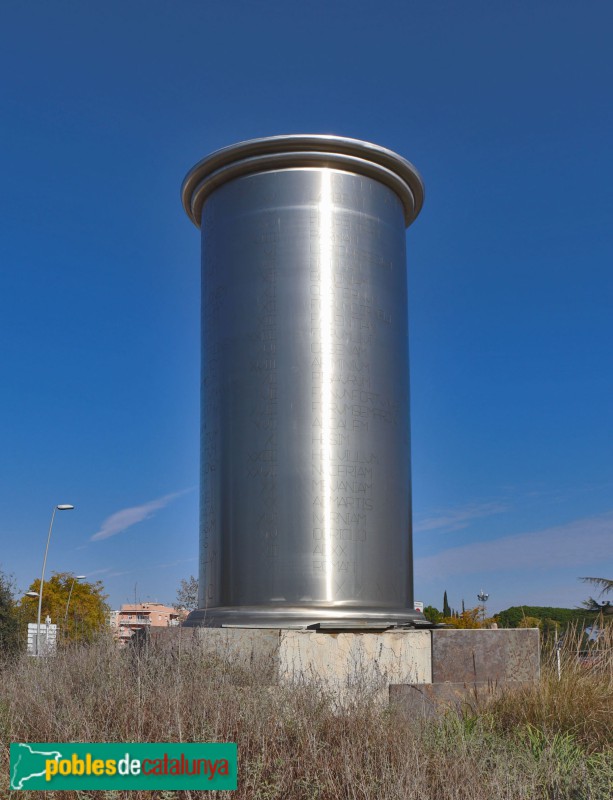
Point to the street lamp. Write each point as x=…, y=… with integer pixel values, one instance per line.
x=483, y=597
x=64, y=507
x=76, y=578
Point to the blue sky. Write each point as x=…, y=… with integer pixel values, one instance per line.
x=505, y=108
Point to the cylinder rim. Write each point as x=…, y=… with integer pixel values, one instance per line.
x=337, y=152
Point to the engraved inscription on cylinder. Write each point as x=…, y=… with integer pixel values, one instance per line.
x=305, y=474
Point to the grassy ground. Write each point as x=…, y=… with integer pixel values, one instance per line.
x=551, y=741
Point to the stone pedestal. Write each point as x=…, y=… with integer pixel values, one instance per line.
x=422, y=671
x=497, y=656
x=339, y=663
x=470, y=666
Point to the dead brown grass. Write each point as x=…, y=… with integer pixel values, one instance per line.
x=550, y=742
x=577, y=702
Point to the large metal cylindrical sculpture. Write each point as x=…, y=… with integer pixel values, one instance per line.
x=305, y=472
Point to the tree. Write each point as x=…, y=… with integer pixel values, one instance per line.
x=82, y=619
x=446, y=609
x=187, y=594
x=9, y=618
x=432, y=614
x=512, y=617
x=530, y=622
x=606, y=586
x=469, y=618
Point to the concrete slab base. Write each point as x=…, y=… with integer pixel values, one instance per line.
x=339, y=663
x=345, y=662
x=469, y=667
x=509, y=654
x=434, y=699
x=421, y=670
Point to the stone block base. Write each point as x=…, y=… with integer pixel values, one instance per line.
x=339, y=663
x=510, y=654
x=469, y=667
x=422, y=671
x=433, y=699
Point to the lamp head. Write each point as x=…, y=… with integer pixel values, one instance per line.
x=31, y=594
x=65, y=507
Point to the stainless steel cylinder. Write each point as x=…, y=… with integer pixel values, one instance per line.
x=305, y=471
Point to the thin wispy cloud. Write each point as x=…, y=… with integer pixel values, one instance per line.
x=580, y=542
x=455, y=519
x=120, y=521
x=98, y=571
x=114, y=573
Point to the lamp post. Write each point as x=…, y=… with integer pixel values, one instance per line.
x=64, y=507
x=483, y=597
x=75, y=578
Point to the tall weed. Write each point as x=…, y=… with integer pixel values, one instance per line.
x=551, y=741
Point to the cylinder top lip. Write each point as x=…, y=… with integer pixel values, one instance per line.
x=257, y=155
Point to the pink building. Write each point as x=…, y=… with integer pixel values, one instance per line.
x=133, y=617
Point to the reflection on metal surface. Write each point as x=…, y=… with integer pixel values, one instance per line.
x=303, y=150
x=305, y=465
x=325, y=266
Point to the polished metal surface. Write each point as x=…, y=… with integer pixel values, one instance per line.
x=305, y=473
x=303, y=150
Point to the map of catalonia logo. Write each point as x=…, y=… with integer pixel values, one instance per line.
x=60, y=765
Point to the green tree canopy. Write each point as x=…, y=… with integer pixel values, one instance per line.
x=446, y=609
x=432, y=614
x=86, y=615
x=513, y=617
x=9, y=617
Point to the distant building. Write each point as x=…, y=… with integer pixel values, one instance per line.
x=134, y=617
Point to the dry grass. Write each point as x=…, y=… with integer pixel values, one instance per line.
x=578, y=703
x=549, y=742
